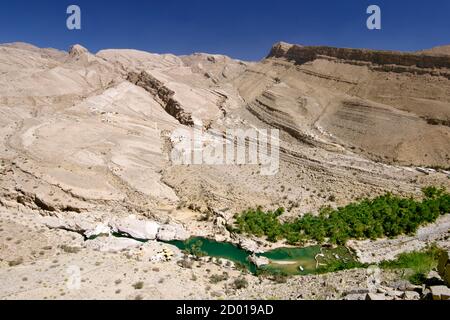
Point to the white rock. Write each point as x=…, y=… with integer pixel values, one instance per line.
x=355, y=296
x=258, y=261
x=137, y=229
x=375, y=296
x=101, y=229
x=410, y=295
x=170, y=232
x=250, y=246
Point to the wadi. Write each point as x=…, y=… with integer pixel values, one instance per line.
x=95, y=204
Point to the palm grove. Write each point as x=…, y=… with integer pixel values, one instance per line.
x=384, y=216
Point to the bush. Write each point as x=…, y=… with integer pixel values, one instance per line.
x=138, y=285
x=240, y=283
x=419, y=262
x=216, y=278
x=15, y=262
x=185, y=263
x=280, y=278
x=195, y=249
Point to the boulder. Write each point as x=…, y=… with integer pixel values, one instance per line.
x=405, y=285
x=250, y=246
x=170, y=232
x=135, y=228
x=426, y=293
x=258, y=261
x=376, y=296
x=389, y=291
x=410, y=295
x=440, y=292
x=355, y=296
x=102, y=229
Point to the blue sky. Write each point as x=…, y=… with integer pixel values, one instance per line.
x=244, y=29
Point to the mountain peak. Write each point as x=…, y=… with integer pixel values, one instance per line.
x=77, y=50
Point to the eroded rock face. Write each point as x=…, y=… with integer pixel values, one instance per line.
x=135, y=228
x=303, y=54
x=78, y=224
x=250, y=245
x=102, y=229
x=157, y=88
x=83, y=133
x=259, y=261
x=77, y=50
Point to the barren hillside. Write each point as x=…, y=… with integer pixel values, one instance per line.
x=86, y=139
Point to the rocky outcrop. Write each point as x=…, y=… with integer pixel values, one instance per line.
x=102, y=229
x=303, y=54
x=444, y=267
x=440, y=293
x=75, y=224
x=164, y=94
x=131, y=227
x=171, y=232
x=258, y=261
x=249, y=245
x=389, y=61
x=77, y=50
x=135, y=228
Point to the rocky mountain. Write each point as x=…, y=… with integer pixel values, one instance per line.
x=441, y=50
x=86, y=139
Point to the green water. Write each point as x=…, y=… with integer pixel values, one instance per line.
x=216, y=249
x=293, y=261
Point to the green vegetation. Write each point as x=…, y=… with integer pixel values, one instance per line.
x=419, y=262
x=339, y=265
x=195, y=249
x=138, y=285
x=240, y=283
x=216, y=278
x=387, y=215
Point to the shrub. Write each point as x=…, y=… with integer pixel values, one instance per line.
x=185, y=263
x=69, y=249
x=138, y=285
x=15, y=262
x=240, y=283
x=419, y=262
x=280, y=278
x=216, y=278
